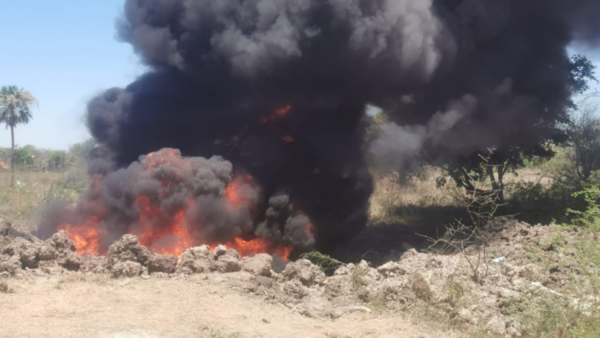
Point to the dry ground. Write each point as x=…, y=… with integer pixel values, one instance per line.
x=96, y=306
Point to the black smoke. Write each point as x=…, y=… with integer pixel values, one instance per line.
x=494, y=72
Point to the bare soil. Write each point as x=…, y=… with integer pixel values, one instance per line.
x=96, y=306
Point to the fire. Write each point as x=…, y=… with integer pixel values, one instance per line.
x=257, y=246
x=288, y=139
x=284, y=111
x=233, y=193
x=86, y=237
x=171, y=238
x=277, y=115
x=169, y=229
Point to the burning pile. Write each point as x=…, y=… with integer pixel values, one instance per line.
x=279, y=88
x=174, y=203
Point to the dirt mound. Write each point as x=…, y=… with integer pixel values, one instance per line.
x=466, y=288
x=128, y=249
x=259, y=265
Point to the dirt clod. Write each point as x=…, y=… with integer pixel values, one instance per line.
x=61, y=242
x=126, y=269
x=259, y=265
x=196, y=260
x=9, y=264
x=4, y=288
x=126, y=249
x=162, y=263
x=305, y=272
x=228, y=261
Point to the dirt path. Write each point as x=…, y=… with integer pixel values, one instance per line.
x=99, y=307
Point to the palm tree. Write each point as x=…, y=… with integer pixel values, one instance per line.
x=15, y=108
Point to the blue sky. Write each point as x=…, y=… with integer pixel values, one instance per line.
x=65, y=52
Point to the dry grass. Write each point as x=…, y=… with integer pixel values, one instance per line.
x=19, y=204
x=395, y=202
x=22, y=204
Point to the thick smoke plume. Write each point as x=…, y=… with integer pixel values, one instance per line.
x=279, y=89
x=172, y=203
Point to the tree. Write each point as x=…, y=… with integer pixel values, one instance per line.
x=57, y=160
x=23, y=158
x=584, y=139
x=15, y=108
x=83, y=149
x=467, y=170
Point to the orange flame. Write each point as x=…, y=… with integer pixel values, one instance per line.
x=259, y=245
x=171, y=237
x=283, y=112
x=278, y=114
x=232, y=192
x=165, y=232
x=86, y=237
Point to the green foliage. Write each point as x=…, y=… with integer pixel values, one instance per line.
x=535, y=202
x=83, y=149
x=591, y=215
x=327, y=264
x=57, y=160
x=15, y=106
x=583, y=71
x=23, y=158
x=68, y=188
x=510, y=157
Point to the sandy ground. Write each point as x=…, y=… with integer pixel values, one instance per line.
x=99, y=307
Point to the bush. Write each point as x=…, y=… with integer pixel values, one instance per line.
x=327, y=264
